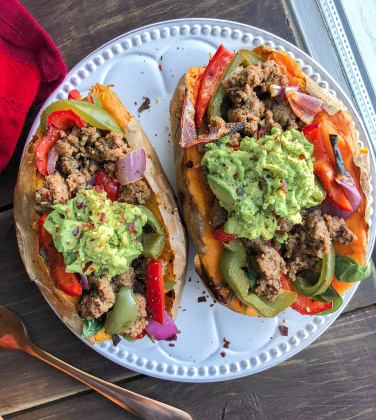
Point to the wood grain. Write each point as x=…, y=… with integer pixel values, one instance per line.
x=80, y=27
x=331, y=379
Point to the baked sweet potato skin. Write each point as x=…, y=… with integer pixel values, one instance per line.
x=163, y=203
x=196, y=197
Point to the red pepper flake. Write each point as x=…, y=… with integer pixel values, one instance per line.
x=279, y=232
x=132, y=228
x=201, y=299
x=226, y=343
x=123, y=218
x=90, y=225
x=172, y=345
x=81, y=204
x=223, y=354
x=236, y=174
x=189, y=164
x=284, y=331
x=145, y=105
x=76, y=231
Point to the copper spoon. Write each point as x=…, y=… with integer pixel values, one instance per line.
x=14, y=336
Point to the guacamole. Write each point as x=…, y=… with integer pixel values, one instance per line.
x=262, y=179
x=95, y=235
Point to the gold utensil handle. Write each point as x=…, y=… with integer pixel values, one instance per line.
x=142, y=407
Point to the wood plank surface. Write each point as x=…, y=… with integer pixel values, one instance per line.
x=331, y=379
x=80, y=27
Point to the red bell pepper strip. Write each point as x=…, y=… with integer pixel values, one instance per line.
x=44, y=146
x=303, y=304
x=220, y=235
x=74, y=94
x=66, y=282
x=212, y=75
x=64, y=119
x=109, y=184
x=324, y=168
x=155, y=297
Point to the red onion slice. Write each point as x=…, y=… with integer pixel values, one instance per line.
x=84, y=282
x=279, y=92
x=328, y=207
x=344, y=178
x=131, y=167
x=91, y=181
x=216, y=133
x=187, y=123
x=304, y=106
x=52, y=157
x=161, y=331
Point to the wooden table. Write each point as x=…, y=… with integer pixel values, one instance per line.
x=332, y=379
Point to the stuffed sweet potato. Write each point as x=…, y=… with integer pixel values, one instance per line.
x=273, y=186
x=97, y=221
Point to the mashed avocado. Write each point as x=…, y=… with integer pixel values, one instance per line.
x=270, y=177
x=95, y=235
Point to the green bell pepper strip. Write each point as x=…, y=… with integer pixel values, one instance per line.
x=124, y=312
x=90, y=113
x=330, y=295
x=242, y=57
x=233, y=259
x=348, y=270
x=305, y=287
x=152, y=243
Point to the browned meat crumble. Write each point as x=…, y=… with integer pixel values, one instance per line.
x=100, y=299
x=82, y=151
x=269, y=264
x=313, y=239
x=127, y=279
x=248, y=90
x=135, y=193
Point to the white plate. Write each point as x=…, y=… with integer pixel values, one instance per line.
x=148, y=62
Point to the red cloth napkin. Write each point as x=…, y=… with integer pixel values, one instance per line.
x=31, y=67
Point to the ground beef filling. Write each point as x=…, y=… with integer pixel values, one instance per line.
x=248, y=90
x=102, y=295
x=269, y=264
x=82, y=151
x=306, y=245
x=100, y=299
x=310, y=241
